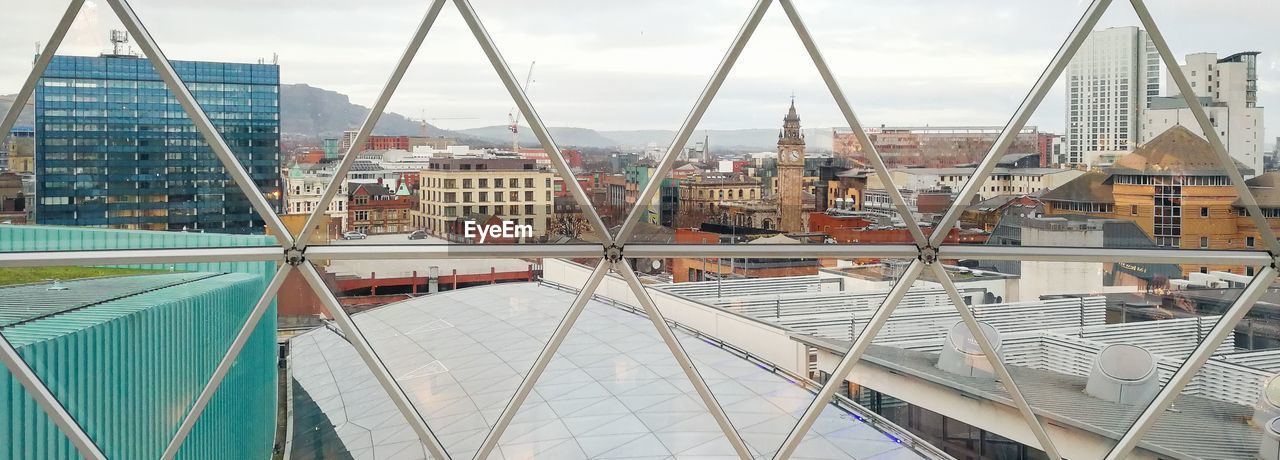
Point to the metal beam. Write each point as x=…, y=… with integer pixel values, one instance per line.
x=1206, y=126
x=138, y=256
x=452, y=251
x=652, y=251
x=1207, y=347
x=856, y=350
x=49, y=403
x=1020, y=117
x=375, y=364
x=993, y=357
x=843, y=102
x=544, y=358
x=228, y=359
x=42, y=62
x=1072, y=254
x=201, y=121
x=682, y=358
x=691, y=122
x=773, y=251
x=535, y=121
x=370, y=121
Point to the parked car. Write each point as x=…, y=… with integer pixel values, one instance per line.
x=418, y=235
x=354, y=235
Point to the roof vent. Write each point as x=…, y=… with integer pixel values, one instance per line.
x=961, y=353
x=1268, y=405
x=56, y=285
x=1125, y=374
x=1269, y=447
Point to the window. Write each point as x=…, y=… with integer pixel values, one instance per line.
x=163, y=160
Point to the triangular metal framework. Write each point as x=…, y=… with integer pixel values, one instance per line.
x=927, y=250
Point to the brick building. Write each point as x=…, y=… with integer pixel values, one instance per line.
x=375, y=210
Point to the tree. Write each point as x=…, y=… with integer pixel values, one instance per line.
x=568, y=225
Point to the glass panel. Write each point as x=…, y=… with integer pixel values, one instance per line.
x=1089, y=345
x=1235, y=388
x=457, y=341
x=1128, y=167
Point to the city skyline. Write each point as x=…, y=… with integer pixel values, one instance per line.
x=651, y=62
x=913, y=295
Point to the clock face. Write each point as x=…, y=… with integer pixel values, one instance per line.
x=795, y=155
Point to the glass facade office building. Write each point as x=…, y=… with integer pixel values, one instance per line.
x=115, y=149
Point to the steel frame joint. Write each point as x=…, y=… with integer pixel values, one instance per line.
x=613, y=253
x=928, y=254
x=295, y=256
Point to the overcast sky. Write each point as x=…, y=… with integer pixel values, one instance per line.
x=614, y=65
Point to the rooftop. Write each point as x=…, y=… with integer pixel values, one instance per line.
x=20, y=304
x=612, y=390
x=1177, y=151
x=1048, y=346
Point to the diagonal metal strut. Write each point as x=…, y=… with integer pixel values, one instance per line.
x=691, y=122
x=997, y=363
x=544, y=358
x=370, y=121
x=228, y=360
x=201, y=121
x=379, y=369
x=682, y=358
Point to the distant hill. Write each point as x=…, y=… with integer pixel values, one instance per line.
x=758, y=139
x=315, y=112
x=311, y=112
x=307, y=111
x=564, y=137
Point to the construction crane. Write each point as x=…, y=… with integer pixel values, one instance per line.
x=514, y=115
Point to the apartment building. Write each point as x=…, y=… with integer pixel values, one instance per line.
x=458, y=189
x=1114, y=74
x=1227, y=89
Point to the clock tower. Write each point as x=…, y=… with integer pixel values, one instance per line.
x=790, y=172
